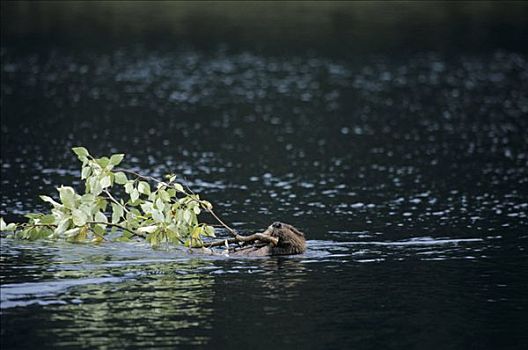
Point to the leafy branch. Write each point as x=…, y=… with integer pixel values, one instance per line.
x=119, y=204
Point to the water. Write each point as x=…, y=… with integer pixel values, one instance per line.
x=407, y=172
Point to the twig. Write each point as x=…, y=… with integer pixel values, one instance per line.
x=26, y=224
x=258, y=237
x=187, y=185
x=116, y=225
x=251, y=238
x=115, y=200
x=231, y=231
x=139, y=175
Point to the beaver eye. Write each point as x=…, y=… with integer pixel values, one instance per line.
x=277, y=225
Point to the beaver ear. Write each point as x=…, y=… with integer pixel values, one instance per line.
x=296, y=231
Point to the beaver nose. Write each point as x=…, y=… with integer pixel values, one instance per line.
x=276, y=224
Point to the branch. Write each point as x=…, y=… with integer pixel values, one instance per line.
x=251, y=238
x=222, y=242
x=258, y=237
x=90, y=223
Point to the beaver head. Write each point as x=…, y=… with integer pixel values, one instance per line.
x=291, y=240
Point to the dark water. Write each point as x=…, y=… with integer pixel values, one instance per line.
x=407, y=172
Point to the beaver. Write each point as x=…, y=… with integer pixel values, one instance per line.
x=291, y=241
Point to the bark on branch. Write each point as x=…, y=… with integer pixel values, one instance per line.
x=245, y=239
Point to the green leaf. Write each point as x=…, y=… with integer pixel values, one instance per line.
x=129, y=186
x=79, y=217
x=67, y=196
x=50, y=200
x=146, y=207
x=172, y=236
x=3, y=224
x=122, y=239
x=159, y=204
x=97, y=239
x=120, y=178
x=117, y=213
x=81, y=152
x=87, y=198
x=143, y=187
x=134, y=195
x=33, y=216
x=47, y=219
x=106, y=182
x=103, y=162
x=72, y=232
x=132, y=217
x=196, y=210
x=153, y=239
x=85, y=173
x=179, y=187
x=87, y=209
x=101, y=203
x=209, y=231
x=187, y=216
x=164, y=195
x=59, y=215
x=207, y=205
x=99, y=229
x=157, y=215
x=62, y=226
x=41, y=232
x=100, y=217
x=95, y=186
x=196, y=232
x=147, y=229
x=116, y=159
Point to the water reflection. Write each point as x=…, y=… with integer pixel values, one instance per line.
x=113, y=306
x=163, y=309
